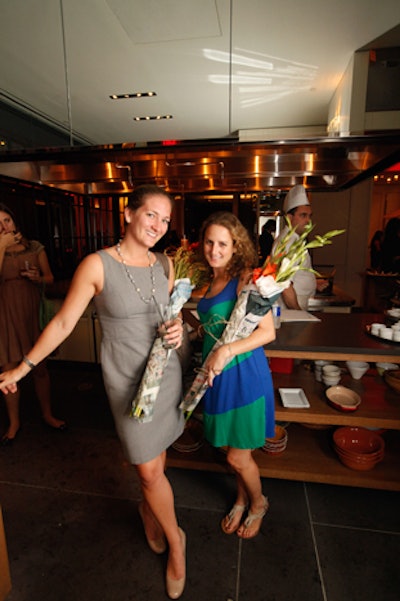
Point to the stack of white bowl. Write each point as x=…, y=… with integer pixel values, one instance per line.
x=331, y=374
x=318, y=365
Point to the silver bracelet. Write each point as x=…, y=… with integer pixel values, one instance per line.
x=28, y=362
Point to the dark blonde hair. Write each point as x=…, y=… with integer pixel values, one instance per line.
x=139, y=195
x=245, y=256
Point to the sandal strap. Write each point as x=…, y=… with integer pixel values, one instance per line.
x=226, y=523
x=236, y=509
x=251, y=517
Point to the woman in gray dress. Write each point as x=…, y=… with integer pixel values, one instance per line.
x=127, y=282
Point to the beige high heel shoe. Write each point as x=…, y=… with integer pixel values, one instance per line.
x=175, y=587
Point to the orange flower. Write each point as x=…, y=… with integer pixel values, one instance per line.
x=269, y=268
x=256, y=274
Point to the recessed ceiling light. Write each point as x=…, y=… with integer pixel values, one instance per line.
x=134, y=95
x=152, y=117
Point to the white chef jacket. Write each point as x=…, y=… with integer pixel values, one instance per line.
x=304, y=282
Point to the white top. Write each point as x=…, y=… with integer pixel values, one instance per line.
x=304, y=282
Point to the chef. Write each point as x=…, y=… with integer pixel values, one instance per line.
x=297, y=209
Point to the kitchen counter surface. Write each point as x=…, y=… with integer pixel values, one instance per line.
x=336, y=336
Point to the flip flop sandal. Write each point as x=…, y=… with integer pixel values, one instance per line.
x=251, y=517
x=227, y=520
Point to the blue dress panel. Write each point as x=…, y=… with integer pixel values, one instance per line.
x=239, y=409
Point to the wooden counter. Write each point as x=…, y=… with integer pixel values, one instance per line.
x=309, y=455
x=336, y=337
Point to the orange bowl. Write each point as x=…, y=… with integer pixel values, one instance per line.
x=358, y=440
x=280, y=434
x=278, y=443
x=361, y=457
x=358, y=465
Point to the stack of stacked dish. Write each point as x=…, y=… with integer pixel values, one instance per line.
x=318, y=365
x=278, y=443
x=331, y=374
x=358, y=448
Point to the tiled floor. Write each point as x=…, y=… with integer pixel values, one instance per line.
x=73, y=532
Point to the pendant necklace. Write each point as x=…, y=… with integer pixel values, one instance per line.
x=130, y=277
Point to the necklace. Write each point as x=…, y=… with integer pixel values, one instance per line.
x=130, y=277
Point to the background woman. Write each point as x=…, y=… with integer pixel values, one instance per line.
x=24, y=269
x=126, y=281
x=376, y=250
x=238, y=408
x=391, y=246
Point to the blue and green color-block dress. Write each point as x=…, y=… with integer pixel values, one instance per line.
x=238, y=410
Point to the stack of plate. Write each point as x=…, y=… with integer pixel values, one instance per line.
x=358, y=448
x=191, y=439
x=278, y=443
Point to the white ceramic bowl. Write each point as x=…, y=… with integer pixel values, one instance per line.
x=382, y=367
x=320, y=363
x=386, y=333
x=331, y=380
x=330, y=370
x=357, y=368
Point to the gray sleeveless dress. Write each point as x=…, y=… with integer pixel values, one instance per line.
x=128, y=330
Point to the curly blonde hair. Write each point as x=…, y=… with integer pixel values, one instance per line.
x=245, y=257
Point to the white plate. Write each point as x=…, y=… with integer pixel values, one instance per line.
x=293, y=398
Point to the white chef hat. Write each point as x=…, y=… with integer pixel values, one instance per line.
x=296, y=197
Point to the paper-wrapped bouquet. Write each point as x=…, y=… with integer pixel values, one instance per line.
x=257, y=298
x=189, y=274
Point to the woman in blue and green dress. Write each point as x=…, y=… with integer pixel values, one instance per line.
x=238, y=406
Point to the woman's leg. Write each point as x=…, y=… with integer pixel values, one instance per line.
x=248, y=475
x=12, y=405
x=158, y=495
x=231, y=522
x=41, y=380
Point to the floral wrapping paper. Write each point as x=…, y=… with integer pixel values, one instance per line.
x=257, y=298
x=143, y=403
x=247, y=313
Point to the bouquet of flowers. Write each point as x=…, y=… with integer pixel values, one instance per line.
x=189, y=273
x=188, y=265
x=257, y=298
